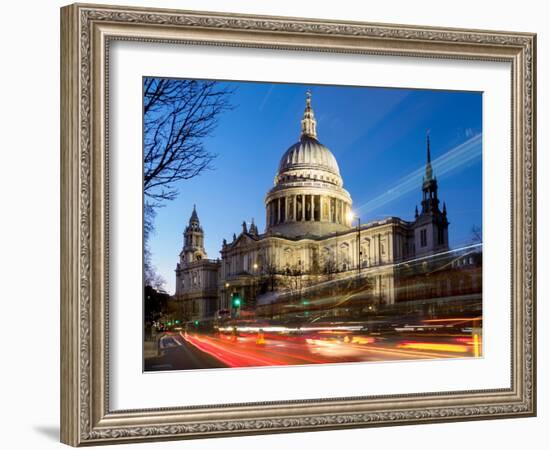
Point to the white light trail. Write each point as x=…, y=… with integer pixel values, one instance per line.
x=451, y=160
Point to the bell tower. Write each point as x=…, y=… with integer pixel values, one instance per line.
x=431, y=225
x=193, y=240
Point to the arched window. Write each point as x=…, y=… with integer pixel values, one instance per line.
x=344, y=255
x=365, y=252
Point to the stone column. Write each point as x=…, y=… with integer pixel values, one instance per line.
x=312, y=197
x=397, y=247
x=287, y=207
x=319, y=206
x=354, y=262
x=374, y=250
x=294, y=207
x=278, y=220
x=390, y=297
x=390, y=246
x=379, y=248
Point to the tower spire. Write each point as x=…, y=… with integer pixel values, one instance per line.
x=429, y=170
x=309, y=124
x=194, y=216
x=193, y=240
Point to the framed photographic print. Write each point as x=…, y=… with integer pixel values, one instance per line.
x=276, y=224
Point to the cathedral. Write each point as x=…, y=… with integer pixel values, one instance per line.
x=311, y=235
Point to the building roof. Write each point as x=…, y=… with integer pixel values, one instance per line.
x=308, y=152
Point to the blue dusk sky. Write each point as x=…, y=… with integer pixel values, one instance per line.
x=378, y=136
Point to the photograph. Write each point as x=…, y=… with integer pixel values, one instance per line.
x=292, y=224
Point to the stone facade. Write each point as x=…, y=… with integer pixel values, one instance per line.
x=309, y=234
x=196, y=275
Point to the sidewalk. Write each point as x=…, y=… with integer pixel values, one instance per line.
x=151, y=348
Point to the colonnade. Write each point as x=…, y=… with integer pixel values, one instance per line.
x=307, y=208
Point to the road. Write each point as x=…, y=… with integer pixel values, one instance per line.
x=181, y=351
x=177, y=354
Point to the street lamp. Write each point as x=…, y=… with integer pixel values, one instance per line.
x=351, y=216
x=225, y=300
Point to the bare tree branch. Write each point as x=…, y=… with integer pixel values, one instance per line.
x=151, y=278
x=477, y=235
x=177, y=116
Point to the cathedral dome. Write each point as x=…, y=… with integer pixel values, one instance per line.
x=308, y=153
x=308, y=197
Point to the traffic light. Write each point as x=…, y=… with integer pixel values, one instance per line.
x=236, y=300
x=236, y=304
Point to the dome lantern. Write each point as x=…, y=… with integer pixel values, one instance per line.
x=309, y=124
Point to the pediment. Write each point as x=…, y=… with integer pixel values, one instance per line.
x=242, y=241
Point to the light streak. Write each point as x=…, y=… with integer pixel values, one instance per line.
x=408, y=353
x=334, y=332
x=354, y=275
x=339, y=347
x=280, y=329
x=476, y=346
x=230, y=357
x=465, y=340
x=451, y=160
x=454, y=319
x=453, y=348
x=362, y=340
x=247, y=356
x=246, y=352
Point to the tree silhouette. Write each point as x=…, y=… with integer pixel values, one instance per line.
x=477, y=235
x=177, y=115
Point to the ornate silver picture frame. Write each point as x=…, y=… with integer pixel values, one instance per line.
x=87, y=33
